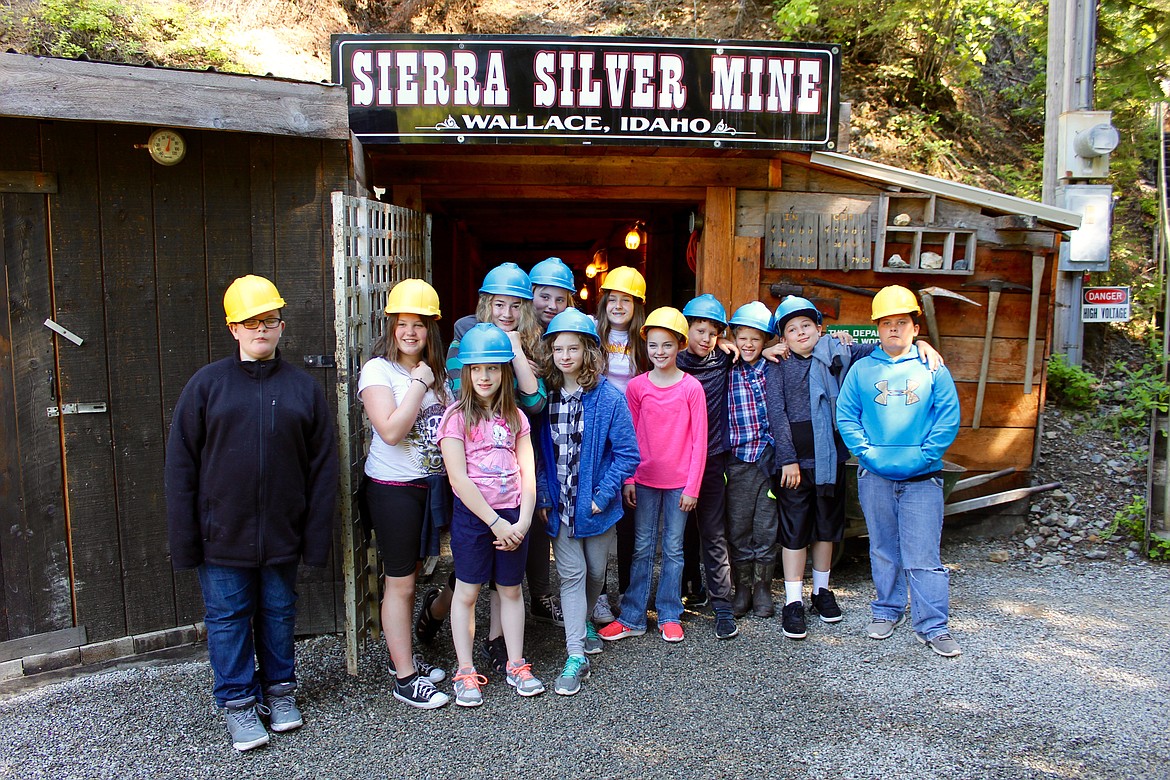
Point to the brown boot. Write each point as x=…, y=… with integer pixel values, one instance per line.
x=762, y=605
x=742, y=603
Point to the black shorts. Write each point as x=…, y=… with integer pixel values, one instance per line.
x=806, y=517
x=396, y=513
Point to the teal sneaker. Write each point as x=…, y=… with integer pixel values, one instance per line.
x=593, y=641
x=576, y=671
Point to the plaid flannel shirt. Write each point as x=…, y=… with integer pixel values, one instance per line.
x=565, y=416
x=746, y=412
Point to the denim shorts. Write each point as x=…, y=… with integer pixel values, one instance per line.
x=477, y=561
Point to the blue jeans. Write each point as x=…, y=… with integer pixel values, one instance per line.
x=250, y=616
x=905, y=529
x=652, y=503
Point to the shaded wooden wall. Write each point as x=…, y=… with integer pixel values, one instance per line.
x=134, y=258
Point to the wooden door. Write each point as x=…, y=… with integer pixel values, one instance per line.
x=35, y=567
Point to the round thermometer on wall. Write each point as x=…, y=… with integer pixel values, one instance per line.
x=166, y=147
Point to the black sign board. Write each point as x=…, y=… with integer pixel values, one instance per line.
x=580, y=91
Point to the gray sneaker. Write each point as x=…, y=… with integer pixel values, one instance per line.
x=466, y=684
x=883, y=628
x=593, y=642
x=602, y=613
x=520, y=677
x=943, y=644
x=576, y=671
x=243, y=723
x=283, y=714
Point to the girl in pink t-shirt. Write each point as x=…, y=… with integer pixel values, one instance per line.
x=487, y=449
x=669, y=410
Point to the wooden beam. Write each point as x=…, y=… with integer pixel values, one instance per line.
x=34, y=182
x=581, y=171
x=48, y=642
x=745, y=271
x=714, y=272
x=99, y=92
x=566, y=192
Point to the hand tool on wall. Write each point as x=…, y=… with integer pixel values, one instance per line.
x=1030, y=363
x=845, y=287
x=830, y=307
x=928, y=294
x=994, y=288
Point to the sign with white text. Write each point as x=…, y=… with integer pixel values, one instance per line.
x=1105, y=304
x=605, y=91
x=862, y=334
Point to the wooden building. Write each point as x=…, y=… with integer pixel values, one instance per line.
x=129, y=258
x=115, y=268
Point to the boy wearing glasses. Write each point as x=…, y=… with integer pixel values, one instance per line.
x=251, y=484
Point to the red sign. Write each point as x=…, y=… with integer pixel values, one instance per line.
x=1104, y=295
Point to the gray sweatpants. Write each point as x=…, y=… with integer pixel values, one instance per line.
x=751, y=515
x=581, y=564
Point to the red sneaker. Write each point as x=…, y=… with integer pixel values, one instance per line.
x=671, y=632
x=619, y=630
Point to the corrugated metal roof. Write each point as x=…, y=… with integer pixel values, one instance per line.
x=996, y=201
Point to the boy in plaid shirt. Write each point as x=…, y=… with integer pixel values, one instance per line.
x=751, y=514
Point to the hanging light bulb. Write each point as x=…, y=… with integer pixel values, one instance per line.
x=584, y=293
x=633, y=238
x=591, y=270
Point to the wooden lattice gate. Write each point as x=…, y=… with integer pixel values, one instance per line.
x=375, y=245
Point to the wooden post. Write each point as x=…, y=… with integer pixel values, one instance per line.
x=713, y=274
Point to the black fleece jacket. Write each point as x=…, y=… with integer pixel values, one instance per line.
x=251, y=468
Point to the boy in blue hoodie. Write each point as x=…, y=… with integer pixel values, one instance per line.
x=898, y=417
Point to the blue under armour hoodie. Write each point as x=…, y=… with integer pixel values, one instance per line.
x=897, y=416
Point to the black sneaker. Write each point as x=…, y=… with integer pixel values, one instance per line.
x=425, y=625
x=793, y=621
x=824, y=603
x=725, y=627
x=436, y=674
x=420, y=692
x=696, y=598
x=547, y=609
x=495, y=651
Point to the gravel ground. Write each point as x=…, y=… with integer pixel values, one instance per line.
x=1059, y=679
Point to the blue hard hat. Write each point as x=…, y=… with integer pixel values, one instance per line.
x=507, y=279
x=790, y=307
x=754, y=315
x=485, y=343
x=552, y=272
x=573, y=321
x=706, y=307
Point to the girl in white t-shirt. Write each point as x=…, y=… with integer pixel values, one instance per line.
x=405, y=495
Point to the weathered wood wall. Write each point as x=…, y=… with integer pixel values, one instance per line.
x=140, y=256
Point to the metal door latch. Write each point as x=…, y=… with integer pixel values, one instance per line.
x=57, y=411
x=320, y=361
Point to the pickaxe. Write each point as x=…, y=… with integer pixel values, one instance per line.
x=994, y=288
x=928, y=294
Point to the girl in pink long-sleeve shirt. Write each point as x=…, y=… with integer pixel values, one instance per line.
x=670, y=421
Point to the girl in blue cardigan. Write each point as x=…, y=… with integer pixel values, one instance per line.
x=588, y=439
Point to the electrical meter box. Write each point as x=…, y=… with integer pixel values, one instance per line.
x=1088, y=247
x=1085, y=140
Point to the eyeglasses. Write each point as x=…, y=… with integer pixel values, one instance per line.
x=269, y=322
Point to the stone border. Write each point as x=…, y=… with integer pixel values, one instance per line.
x=99, y=653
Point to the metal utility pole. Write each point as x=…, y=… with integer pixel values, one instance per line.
x=1072, y=27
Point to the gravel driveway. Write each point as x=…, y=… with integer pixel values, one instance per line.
x=1065, y=673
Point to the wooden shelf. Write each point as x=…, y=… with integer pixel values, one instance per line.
x=957, y=245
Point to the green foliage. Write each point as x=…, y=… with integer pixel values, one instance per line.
x=1071, y=387
x=134, y=31
x=1137, y=394
x=1132, y=520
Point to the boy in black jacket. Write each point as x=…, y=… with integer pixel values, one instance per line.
x=251, y=484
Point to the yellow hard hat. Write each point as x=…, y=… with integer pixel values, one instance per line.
x=248, y=296
x=627, y=280
x=894, y=299
x=413, y=296
x=667, y=317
